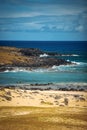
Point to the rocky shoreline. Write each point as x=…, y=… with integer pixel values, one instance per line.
x=49, y=86
x=29, y=58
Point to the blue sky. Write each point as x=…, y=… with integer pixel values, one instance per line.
x=55, y=20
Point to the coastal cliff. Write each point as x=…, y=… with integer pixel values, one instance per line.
x=28, y=57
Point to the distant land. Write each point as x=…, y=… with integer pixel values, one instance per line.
x=28, y=57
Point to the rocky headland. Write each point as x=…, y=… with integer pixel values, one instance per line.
x=11, y=57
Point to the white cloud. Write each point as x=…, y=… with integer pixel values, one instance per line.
x=42, y=10
x=33, y=25
x=20, y=14
x=27, y=14
x=79, y=28
x=46, y=18
x=22, y=27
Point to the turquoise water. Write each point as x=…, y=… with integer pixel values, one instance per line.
x=41, y=77
x=55, y=74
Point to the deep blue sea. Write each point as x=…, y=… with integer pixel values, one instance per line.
x=57, y=74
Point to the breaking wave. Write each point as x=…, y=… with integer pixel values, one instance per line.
x=74, y=67
x=44, y=55
x=17, y=70
x=69, y=55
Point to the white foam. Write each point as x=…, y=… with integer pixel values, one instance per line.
x=79, y=63
x=76, y=63
x=64, y=68
x=68, y=60
x=17, y=70
x=40, y=70
x=54, y=67
x=43, y=55
x=14, y=70
x=74, y=55
x=66, y=55
x=70, y=55
x=6, y=71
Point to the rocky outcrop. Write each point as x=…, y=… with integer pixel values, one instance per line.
x=48, y=62
x=31, y=52
x=37, y=52
x=28, y=57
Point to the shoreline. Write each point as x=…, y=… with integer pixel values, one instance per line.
x=70, y=86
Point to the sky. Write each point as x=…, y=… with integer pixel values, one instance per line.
x=43, y=20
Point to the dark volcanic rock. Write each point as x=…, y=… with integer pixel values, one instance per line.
x=53, y=54
x=4, y=68
x=36, y=52
x=31, y=52
x=48, y=62
x=43, y=62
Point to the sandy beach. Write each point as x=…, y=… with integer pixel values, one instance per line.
x=22, y=109
x=45, y=98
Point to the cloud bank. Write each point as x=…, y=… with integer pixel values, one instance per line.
x=43, y=16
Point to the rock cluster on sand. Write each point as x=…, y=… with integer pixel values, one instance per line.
x=23, y=97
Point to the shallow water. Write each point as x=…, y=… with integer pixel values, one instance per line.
x=41, y=77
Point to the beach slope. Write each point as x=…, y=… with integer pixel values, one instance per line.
x=42, y=110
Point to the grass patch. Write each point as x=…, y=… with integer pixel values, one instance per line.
x=46, y=103
x=55, y=118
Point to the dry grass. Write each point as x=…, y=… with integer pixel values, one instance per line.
x=34, y=118
x=9, y=55
x=46, y=103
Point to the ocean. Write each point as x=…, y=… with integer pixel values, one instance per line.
x=74, y=51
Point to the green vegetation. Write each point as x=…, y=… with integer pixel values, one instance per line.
x=34, y=118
